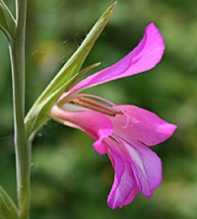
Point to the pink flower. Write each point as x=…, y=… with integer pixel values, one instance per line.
x=124, y=132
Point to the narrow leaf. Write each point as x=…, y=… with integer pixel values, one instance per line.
x=8, y=209
x=38, y=114
x=7, y=21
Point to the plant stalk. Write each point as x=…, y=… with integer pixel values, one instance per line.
x=22, y=146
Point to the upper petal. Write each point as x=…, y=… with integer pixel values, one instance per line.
x=138, y=125
x=144, y=57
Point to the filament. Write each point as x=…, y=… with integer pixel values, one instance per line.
x=95, y=103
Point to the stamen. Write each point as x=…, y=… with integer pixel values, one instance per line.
x=95, y=103
x=98, y=99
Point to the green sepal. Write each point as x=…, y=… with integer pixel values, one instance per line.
x=8, y=208
x=7, y=21
x=69, y=73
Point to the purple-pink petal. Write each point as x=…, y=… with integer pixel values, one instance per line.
x=144, y=57
x=95, y=124
x=124, y=188
x=151, y=175
x=137, y=169
x=146, y=167
x=138, y=125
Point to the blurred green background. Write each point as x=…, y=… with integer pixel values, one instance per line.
x=69, y=180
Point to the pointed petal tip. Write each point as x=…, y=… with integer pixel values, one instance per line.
x=168, y=129
x=113, y=205
x=150, y=195
x=152, y=29
x=152, y=25
x=110, y=203
x=151, y=192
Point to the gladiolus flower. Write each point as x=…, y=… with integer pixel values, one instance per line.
x=124, y=132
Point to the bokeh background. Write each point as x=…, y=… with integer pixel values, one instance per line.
x=69, y=180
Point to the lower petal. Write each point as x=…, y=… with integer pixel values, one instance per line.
x=124, y=188
x=152, y=167
x=146, y=166
x=137, y=169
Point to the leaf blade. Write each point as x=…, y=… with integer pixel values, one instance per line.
x=7, y=21
x=67, y=74
x=8, y=208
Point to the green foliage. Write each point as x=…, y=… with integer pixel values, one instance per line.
x=38, y=114
x=8, y=209
x=7, y=21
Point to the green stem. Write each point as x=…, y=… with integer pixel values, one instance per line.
x=22, y=147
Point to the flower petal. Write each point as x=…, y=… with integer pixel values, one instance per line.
x=144, y=57
x=147, y=167
x=124, y=188
x=139, y=125
x=137, y=169
x=95, y=124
